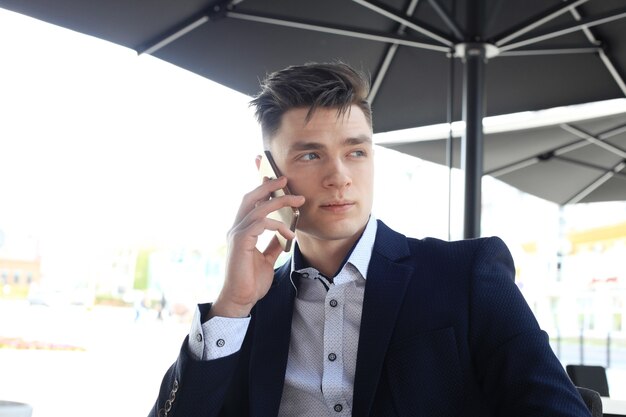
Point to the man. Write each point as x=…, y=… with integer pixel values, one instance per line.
x=362, y=321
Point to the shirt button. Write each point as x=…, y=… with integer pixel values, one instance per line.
x=333, y=303
x=199, y=337
x=332, y=357
x=338, y=408
x=220, y=342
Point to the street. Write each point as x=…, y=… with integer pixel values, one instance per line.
x=118, y=372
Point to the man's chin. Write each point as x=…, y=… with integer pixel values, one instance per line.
x=335, y=231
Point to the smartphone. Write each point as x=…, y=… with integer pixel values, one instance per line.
x=287, y=215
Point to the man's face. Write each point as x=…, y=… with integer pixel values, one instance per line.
x=328, y=160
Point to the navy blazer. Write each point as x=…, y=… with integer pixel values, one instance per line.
x=444, y=332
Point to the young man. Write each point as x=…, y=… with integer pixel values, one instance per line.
x=362, y=321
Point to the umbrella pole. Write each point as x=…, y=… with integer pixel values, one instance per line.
x=474, y=56
x=450, y=144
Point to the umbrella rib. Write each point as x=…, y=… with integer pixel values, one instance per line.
x=507, y=169
x=447, y=19
x=552, y=51
x=596, y=183
x=335, y=30
x=216, y=11
x=590, y=36
x=537, y=21
x=382, y=72
x=592, y=166
x=390, y=14
x=544, y=156
x=613, y=71
x=603, y=56
x=612, y=132
x=389, y=55
x=557, y=152
x=164, y=40
x=594, y=140
x=569, y=28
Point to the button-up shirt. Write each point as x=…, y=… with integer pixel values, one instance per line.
x=321, y=365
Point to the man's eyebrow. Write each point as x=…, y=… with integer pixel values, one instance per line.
x=357, y=140
x=305, y=146
x=316, y=146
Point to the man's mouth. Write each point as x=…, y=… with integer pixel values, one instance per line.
x=338, y=203
x=337, y=206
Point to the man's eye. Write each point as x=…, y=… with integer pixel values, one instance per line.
x=309, y=156
x=358, y=154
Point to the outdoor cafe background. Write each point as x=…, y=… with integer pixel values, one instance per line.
x=119, y=176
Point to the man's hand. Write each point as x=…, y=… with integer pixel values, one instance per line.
x=249, y=272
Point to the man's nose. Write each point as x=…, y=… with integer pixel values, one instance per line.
x=337, y=175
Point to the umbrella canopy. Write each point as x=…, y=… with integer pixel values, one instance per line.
x=540, y=53
x=567, y=161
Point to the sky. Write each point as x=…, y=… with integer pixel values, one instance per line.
x=106, y=143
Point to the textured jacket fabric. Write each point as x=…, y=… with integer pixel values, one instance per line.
x=444, y=332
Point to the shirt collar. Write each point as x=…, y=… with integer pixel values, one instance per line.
x=359, y=256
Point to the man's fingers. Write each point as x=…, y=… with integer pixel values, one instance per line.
x=252, y=218
x=274, y=226
x=261, y=193
x=255, y=229
x=273, y=250
x=264, y=208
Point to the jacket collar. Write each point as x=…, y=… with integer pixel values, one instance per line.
x=386, y=285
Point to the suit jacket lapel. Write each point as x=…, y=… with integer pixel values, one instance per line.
x=386, y=284
x=272, y=331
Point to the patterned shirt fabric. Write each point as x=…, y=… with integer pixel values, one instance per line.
x=216, y=338
x=319, y=379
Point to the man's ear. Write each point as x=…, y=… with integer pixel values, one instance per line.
x=257, y=160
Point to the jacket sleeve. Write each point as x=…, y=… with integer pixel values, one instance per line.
x=516, y=366
x=194, y=387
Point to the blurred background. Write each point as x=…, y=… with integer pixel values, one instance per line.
x=119, y=178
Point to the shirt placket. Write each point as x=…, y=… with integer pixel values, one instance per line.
x=332, y=380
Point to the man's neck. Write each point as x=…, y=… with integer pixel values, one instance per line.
x=326, y=255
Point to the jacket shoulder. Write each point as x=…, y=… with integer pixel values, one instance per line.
x=454, y=247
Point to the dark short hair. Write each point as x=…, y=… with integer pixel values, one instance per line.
x=312, y=85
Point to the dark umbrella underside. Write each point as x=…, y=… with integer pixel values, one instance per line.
x=238, y=44
x=582, y=161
